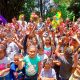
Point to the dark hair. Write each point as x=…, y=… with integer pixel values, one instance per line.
x=24, y=44
x=16, y=55
x=47, y=61
x=40, y=47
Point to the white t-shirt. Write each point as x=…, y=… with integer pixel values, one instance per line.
x=11, y=50
x=3, y=64
x=48, y=74
x=23, y=28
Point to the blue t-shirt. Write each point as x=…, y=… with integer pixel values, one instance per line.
x=13, y=69
x=31, y=65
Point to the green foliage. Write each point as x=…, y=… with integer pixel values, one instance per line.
x=56, y=1
x=75, y=7
x=50, y=13
x=65, y=12
x=63, y=7
x=10, y=8
x=28, y=7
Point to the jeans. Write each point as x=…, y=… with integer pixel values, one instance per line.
x=31, y=77
x=7, y=77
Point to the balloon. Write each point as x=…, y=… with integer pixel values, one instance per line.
x=58, y=15
x=20, y=16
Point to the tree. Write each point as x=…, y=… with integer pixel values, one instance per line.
x=10, y=8
x=62, y=6
x=28, y=8
x=75, y=7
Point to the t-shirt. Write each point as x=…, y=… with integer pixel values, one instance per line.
x=47, y=50
x=66, y=66
x=31, y=65
x=21, y=26
x=43, y=57
x=3, y=64
x=40, y=25
x=49, y=74
x=14, y=69
x=11, y=50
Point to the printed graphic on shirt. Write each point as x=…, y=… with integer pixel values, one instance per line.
x=31, y=69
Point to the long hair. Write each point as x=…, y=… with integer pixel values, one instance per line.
x=24, y=43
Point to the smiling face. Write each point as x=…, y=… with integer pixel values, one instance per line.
x=47, y=40
x=32, y=51
x=41, y=51
x=16, y=59
x=47, y=66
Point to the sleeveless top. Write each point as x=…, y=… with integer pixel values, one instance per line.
x=47, y=51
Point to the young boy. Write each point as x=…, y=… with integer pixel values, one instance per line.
x=32, y=64
x=17, y=72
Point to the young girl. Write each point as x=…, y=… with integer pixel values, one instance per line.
x=32, y=64
x=17, y=71
x=47, y=47
x=48, y=73
x=4, y=63
x=41, y=53
x=35, y=42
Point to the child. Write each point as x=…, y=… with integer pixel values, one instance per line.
x=47, y=46
x=32, y=64
x=4, y=63
x=48, y=73
x=16, y=70
x=41, y=53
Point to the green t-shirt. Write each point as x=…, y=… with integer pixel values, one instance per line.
x=31, y=65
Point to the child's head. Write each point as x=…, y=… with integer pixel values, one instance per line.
x=40, y=50
x=47, y=63
x=47, y=40
x=32, y=51
x=34, y=40
x=2, y=51
x=16, y=59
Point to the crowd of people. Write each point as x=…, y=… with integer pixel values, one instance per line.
x=40, y=50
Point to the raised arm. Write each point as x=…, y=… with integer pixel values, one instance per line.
x=57, y=51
